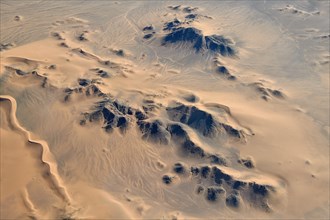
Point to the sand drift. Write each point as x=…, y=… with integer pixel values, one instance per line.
x=152, y=116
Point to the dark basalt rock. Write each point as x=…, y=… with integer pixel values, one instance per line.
x=253, y=192
x=200, y=120
x=217, y=159
x=277, y=94
x=103, y=74
x=124, y=109
x=191, y=16
x=247, y=162
x=113, y=114
x=189, y=9
x=167, y=179
x=190, y=147
x=223, y=70
x=108, y=115
x=82, y=37
x=140, y=115
x=6, y=46
x=213, y=193
x=84, y=82
x=233, y=201
x=205, y=171
x=95, y=116
x=220, y=45
x=148, y=28
x=218, y=176
x=177, y=131
x=195, y=37
x=262, y=91
x=265, y=92
x=239, y=184
x=172, y=25
x=179, y=168
x=20, y=72
x=148, y=36
x=258, y=189
x=194, y=171
x=112, y=120
x=154, y=131
x=120, y=53
x=200, y=189
x=232, y=78
x=195, y=118
x=232, y=131
x=185, y=35
x=122, y=121
x=150, y=106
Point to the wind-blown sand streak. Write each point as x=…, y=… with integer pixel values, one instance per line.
x=46, y=156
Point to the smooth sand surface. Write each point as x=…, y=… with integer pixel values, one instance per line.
x=100, y=120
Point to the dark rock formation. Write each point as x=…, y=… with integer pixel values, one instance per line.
x=191, y=98
x=247, y=162
x=219, y=44
x=178, y=132
x=190, y=148
x=189, y=9
x=189, y=35
x=113, y=114
x=258, y=189
x=191, y=16
x=213, y=193
x=147, y=36
x=139, y=115
x=217, y=159
x=172, y=25
x=233, y=200
x=20, y=72
x=201, y=120
x=193, y=36
x=103, y=74
x=200, y=189
x=194, y=171
x=277, y=93
x=265, y=92
x=84, y=82
x=194, y=117
x=167, y=179
x=205, y=171
x=154, y=131
x=220, y=176
x=6, y=46
x=179, y=168
x=239, y=184
x=223, y=70
x=148, y=28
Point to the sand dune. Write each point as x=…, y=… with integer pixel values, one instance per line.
x=138, y=110
x=41, y=167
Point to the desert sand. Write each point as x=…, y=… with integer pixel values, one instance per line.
x=164, y=110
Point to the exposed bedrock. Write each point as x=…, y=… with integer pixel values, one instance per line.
x=266, y=93
x=154, y=131
x=112, y=114
x=202, y=121
x=236, y=190
x=194, y=37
